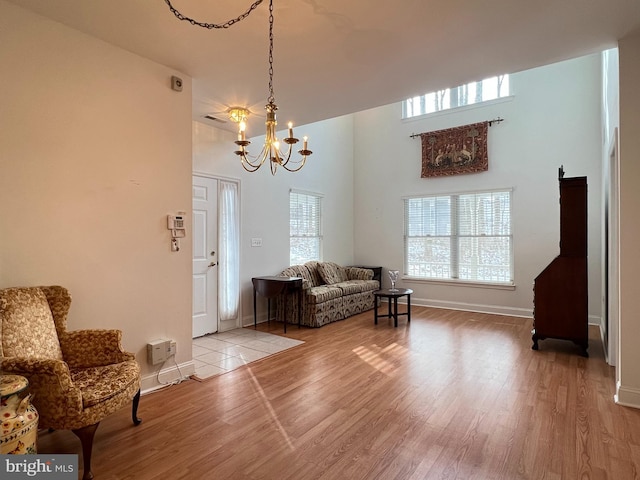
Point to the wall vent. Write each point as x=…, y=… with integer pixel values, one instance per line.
x=214, y=119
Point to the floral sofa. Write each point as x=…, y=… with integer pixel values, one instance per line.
x=330, y=293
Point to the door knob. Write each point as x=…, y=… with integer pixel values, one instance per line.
x=212, y=264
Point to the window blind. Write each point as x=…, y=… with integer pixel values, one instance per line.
x=461, y=236
x=304, y=227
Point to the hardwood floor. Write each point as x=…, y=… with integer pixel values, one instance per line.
x=453, y=395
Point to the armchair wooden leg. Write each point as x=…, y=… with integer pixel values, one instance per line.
x=85, y=434
x=134, y=409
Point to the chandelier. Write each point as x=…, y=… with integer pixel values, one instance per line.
x=271, y=148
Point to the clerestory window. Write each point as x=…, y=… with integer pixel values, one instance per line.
x=471, y=93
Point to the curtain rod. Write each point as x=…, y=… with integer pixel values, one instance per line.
x=491, y=122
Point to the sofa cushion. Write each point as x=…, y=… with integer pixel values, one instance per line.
x=27, y=328
x=357, y=286
x=99, y=384
x=316, y=295
x=332, y=272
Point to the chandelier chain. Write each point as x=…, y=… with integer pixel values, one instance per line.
x=271, y=98
x=211, y=26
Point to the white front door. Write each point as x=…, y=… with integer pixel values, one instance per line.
x=205, y=256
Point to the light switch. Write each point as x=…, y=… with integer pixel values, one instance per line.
x=256, y=242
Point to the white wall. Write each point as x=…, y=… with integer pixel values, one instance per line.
x=628, y=371
x=610, y=203
x=552, y=120
x=95, y=150
x=265, y=198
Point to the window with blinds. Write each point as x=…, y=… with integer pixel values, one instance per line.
x=305, y=232
x=465, y=236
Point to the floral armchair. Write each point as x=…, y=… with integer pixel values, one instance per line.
x=77, y=377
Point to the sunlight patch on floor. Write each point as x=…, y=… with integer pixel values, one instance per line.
x=374, y=356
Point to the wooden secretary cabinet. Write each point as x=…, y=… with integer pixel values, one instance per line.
x=561, y=289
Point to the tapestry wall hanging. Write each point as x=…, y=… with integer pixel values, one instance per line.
x=455, y=150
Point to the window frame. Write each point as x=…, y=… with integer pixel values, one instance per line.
x=317, y=234
x=454, y=241
x=452, y=95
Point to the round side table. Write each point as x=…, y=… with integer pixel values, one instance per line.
x=392, y=296
x=18, y=416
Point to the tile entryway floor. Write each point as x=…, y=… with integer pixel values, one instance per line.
x=222, y=352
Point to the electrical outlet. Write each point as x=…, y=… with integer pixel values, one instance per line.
x=172, y=348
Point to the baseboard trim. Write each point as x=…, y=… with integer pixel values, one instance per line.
x=167, y=376
x=226, y=325
x=474, y=307
x=595, y=320
x=627, y=396
x=247, y=321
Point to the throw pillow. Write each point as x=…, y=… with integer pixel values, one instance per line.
x=328, y=272
x=332, y=273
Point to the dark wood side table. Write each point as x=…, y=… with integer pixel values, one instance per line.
x=271, y=287
x=392, y=297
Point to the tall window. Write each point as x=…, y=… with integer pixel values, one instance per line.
x=229, y=246
x=305, y=232
x=464, y=236
x=474, y=92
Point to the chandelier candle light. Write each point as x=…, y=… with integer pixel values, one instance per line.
x=271, y=148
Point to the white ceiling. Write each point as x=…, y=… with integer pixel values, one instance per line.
x=333, y=57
